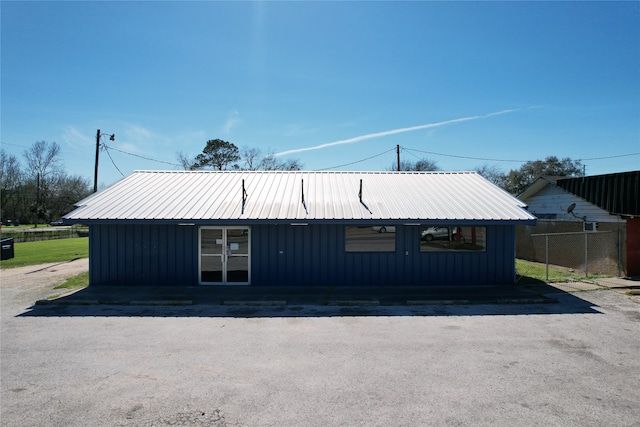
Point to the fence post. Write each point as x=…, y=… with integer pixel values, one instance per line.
x=619, y=253
x=546, y=254
x=586, y=255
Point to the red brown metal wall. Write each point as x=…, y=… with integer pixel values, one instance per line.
x=633, y=247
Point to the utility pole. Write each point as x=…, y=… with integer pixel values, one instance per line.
x=398, y=153
x=37, y=201
x=112, y=137
x=95, y=173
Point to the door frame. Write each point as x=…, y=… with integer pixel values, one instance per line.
x=224, y=256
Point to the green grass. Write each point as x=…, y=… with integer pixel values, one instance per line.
x=532, y=272
x=79, y=281
x=60, y=250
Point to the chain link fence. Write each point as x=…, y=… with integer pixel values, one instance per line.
x=585, y=253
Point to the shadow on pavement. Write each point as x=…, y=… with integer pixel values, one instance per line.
x=249, y=302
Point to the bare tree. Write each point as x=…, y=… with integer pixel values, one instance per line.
x=43, y=159
x=44, y=167
x=421, y=165
x=292, y=165
x=186, y=162
x=250, y=157
x=220, y=155
x=10, y=182
x=26, y=198
x=269, y=163
x=10, y=173
x=491, y=173
x=272, y=163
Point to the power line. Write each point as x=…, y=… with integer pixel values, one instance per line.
x=510, y=160
x=114, y=163
x=612, y=157
x=15, y=145
x=357, y=161
x=465, y=157
x=142, y=157
x=408, y=151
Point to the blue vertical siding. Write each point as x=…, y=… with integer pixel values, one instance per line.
x=143, y=255
x=284, y=255
x=314, y=255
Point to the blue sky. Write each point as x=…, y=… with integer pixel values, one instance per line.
x=328, y=83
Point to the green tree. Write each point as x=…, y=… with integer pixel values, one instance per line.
x=221, y=156
x=20, y=196
x=217, y=154
x=517, y=180
x=67, y=190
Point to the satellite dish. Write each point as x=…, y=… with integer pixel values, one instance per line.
x=571, y=207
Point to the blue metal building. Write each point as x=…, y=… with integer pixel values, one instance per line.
x=172, y=228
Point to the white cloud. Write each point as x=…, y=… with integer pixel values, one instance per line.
x=126, y=135
x=392, y=132
x=76, y=139
x=130, y=148
x=232, y=120
x=133, y=132
x=298, y=129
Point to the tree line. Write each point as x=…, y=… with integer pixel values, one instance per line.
x=516, y=180
x=41, y=190
x=224, y=155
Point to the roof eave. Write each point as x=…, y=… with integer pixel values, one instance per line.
x=301, y=221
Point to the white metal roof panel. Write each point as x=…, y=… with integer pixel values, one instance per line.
x=278, y=195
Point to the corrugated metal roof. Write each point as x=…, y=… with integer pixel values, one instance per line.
x=617, y=193
x=212, y=195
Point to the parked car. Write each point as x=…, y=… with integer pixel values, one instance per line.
x=432, y=233
x=385, y=228
x=58, y=222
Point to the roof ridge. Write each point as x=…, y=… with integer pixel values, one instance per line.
x=304, y=171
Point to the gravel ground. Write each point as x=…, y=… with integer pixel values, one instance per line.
x=21, y=285
x=572, y=363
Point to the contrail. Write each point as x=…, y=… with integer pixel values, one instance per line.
x=393, y=132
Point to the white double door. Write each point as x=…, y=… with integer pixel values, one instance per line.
x=225, y=255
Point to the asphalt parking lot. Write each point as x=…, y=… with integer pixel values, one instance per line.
x=569, y=360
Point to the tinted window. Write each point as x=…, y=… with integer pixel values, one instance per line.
x=449, y=238
x=370, y=239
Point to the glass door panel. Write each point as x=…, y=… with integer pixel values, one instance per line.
x=211, y=241
x=211, y=269
x=211, y=255
x=224, y=255
x=238, y=269
x=238, y=255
